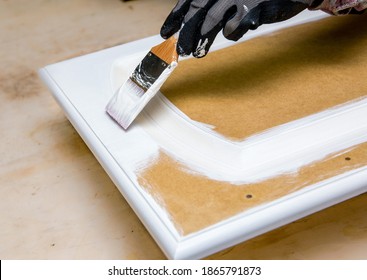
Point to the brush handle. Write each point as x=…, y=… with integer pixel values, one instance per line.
x=167, y=50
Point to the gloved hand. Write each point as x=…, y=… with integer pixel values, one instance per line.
x=202, y=20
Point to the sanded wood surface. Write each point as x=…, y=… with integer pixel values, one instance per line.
x=56, y=200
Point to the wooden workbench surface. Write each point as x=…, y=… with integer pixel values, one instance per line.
x=56, y=200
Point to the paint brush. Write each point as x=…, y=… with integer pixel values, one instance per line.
x=144, y=83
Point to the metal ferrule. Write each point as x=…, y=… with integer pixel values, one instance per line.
x=148, y=71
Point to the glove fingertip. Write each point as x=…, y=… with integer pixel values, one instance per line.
x=165, y=32
x=182, y=51
x=171, y=25
x=235, y=36
x=201, y=50
x=168, y=29
x=200, y=54
x=205, y=42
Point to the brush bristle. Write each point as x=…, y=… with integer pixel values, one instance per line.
x=131, y=99
x=123, y=104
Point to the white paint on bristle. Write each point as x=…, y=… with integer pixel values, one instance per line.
x=124, y=101
x=130, y=99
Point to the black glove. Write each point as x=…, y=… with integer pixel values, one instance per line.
x=202, y=20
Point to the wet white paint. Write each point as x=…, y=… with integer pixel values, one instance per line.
x=280, y=150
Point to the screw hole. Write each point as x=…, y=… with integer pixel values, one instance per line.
x=249, y=196
x=347, y=158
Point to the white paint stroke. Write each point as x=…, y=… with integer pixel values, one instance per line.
x=282, y=149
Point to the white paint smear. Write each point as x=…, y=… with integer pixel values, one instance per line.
x=200, y=49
